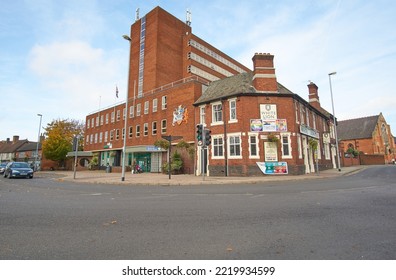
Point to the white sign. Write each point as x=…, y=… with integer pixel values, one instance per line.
x=270, y=151
x=268, y=112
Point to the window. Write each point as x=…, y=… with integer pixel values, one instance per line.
x=92, y=122
x=202, y=115
x=302, y=114
x=91, y=139
x=130, y=132
x=97, y=121
x=163, y=126
x=123, y=133
x=307, y=116
x=155, y=104
x=96, y=138
x=234, y=146
x=107, y=118
x=154, y=128
x=88, y=123
x=87, y=139
x=217, y=114
x=138, y=131
x=233, y=116
x=145, y=128
x=123, y=114
x=100, y=137
x=164, y=102
x=146, y=107
x=314, y=120
x=117, y=134
x=101, y=120
x=138, y=109
x=253, y=146
x=112, y=116
x=218, y=148
x=111, y=135
x=286, y=146
x=118, y=115
x=106, y=136
x=131, y=111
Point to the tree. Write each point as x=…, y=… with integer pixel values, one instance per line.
x=59, y=136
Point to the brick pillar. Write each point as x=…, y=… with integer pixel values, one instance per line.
x=264, y=78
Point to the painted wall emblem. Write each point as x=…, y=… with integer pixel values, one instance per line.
x=180, y=115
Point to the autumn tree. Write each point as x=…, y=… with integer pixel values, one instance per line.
x=59, y=136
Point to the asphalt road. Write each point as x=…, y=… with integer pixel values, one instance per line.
x=349, y=217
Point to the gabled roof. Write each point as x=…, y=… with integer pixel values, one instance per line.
x=230, y=86
x=357, y=128
x=28, y=146
x=11, y=146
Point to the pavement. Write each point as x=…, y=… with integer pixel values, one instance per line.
x=101, y=177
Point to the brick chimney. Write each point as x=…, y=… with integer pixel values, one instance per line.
x=264, y=78
x=15, y=138
x=313, y=95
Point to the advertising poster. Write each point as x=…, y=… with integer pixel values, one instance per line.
x=270, y=151
x=273, y=168
x=256, y=125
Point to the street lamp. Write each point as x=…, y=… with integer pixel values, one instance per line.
x=334, y=120
x=126, y=37
x=38, y=142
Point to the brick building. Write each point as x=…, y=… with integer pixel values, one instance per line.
x=177, y=80
x=369, y=136
x=169, y=68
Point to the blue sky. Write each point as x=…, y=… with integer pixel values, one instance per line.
x=63, y=58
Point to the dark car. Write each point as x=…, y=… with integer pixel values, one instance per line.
x=17, y=170
x=2, y=167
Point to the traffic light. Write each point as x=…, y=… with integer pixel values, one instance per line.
x=199, y=132
x=208, y=137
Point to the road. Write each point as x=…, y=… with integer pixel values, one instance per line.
x=348, y=217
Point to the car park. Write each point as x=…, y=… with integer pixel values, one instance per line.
x=2, y=167
x=18, y=170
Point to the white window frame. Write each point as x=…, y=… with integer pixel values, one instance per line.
x=257, y=146
x=232, y=103
x=287, y=135
x=202, y=114
x=118, y=115
x=137, y=131
x=163, y=127
x=131, y=111
x=299, y=148
x=138, y=109
x=146, y=107
x=154, y=128
x=155, y=105
x=130, y=132
x=215, y=144
x=164, y=103
x=215, y=121
x=100, y=137
x=107, y=118
x=229, y=144
x=106, y=136
x=145, y=129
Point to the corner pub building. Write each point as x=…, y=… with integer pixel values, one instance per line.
x=177, y=80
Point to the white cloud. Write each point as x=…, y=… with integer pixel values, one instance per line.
x=74, y=75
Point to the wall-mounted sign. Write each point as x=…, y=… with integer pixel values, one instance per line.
x=309, y=131
x=278, y=125
x=270, y=151
x=180, y=115
x=268, y=112
x=273, y=168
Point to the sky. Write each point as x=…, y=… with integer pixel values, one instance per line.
x=63, y=58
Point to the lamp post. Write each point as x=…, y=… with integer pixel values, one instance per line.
x=334, y=120
x=126, y=37
x=38, y=142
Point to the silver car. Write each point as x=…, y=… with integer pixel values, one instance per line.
x=18, y=170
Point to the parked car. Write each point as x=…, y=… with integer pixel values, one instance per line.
x=2, y=167
x=18, y=169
